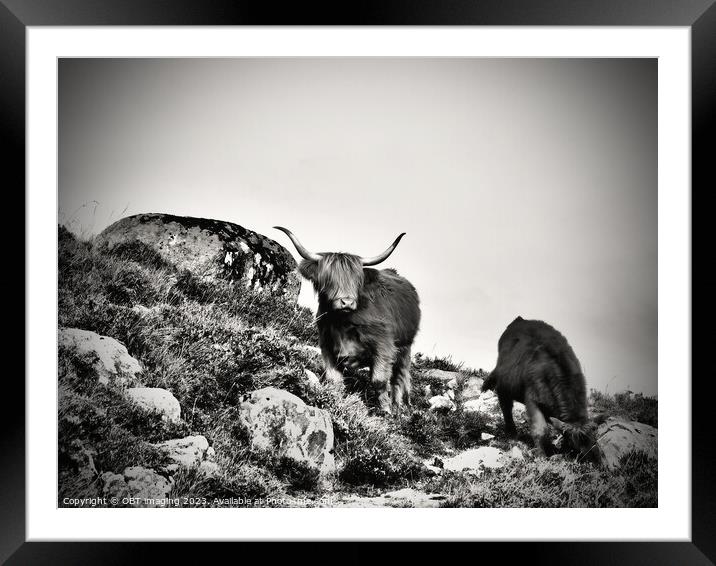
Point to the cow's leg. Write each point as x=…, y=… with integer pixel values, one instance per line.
x=400, y=383
x=381, y=373
x=333, y=374
x=538, y=427
x=506, y=406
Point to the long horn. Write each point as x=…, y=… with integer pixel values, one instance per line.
x=305, y=254
x=382, y=257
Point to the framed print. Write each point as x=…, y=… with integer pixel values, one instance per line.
x=488, y=350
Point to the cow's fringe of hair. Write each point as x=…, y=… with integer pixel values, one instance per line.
x=339, y=272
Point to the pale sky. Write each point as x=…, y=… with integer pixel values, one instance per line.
x=526, y=186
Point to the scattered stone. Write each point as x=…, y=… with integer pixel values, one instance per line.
x=156, y=399
x=486, y=436
x=210, y=249
x=185, y=452
x=472, y=388
x=441, y=403
x=516, y=453
x=452, y=384
x=407, y=497
x=476, y=458
x=283, y=424
x=312, y=378
x=488, y=404
x=617, y=437
x=427, y=391
x=109, y=358
x=450, y=394
x=442, y=375
x=145, y=486
x=434, y=466
x=485, y=403
x=415, y=498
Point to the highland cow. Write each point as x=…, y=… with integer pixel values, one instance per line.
x=365, y=317
x=537, y=366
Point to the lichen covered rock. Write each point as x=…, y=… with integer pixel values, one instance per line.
x=109, y=358
x=185, y=452
x=440, y=403
x=156, y=399
x=283, y=424
x=211, y=249
x=136, y=487
x=617, y=437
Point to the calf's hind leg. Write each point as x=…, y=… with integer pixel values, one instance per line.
x=506, y=406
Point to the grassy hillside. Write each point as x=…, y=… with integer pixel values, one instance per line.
x=210, y=343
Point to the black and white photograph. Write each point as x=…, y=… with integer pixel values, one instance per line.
x=357, y=282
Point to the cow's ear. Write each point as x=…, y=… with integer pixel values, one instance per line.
x=308, y=268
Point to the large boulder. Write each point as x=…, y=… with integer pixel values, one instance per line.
x=281, y=423
x=156, y=399
x=109, y=358
x=136, y=487
x=617, y=437
x=211, y=249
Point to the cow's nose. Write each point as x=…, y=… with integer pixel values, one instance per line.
x=345, y=303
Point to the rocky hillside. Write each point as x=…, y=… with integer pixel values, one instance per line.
x=188, y=376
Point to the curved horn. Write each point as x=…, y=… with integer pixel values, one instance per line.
x=305, y=254
x=382, y=257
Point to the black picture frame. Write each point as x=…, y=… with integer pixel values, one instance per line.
x=698, y=15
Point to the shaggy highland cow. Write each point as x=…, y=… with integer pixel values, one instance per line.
x=536, y=366
x=366, y=317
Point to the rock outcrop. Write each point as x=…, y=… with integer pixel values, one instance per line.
x=210, y=249
x=280, y=422
x=617, y=437
x=109, y=358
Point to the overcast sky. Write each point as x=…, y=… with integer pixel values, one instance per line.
x=526, y=186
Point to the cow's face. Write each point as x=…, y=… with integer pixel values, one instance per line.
x=580, y=439
x=337, y=278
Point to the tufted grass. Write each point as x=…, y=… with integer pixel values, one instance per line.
x=553, y=482
x=630, y=406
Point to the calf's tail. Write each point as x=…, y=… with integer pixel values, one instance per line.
x=490, y=381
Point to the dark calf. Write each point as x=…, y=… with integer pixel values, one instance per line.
x=537, y=366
